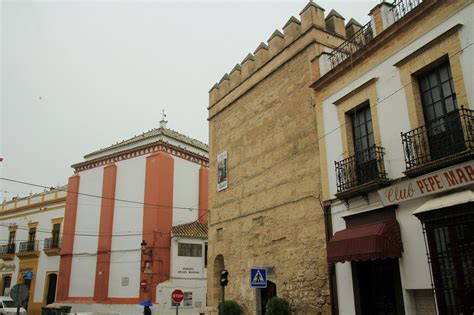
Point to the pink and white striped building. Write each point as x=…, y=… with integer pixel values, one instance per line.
x=120, y=196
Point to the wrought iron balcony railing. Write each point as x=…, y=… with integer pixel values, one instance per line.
x=7, y=249
x=444, y=141
x=402, y=7
x=28, y=246
x=364, y=167
x=358, y=40
x=52, y=243
x=363, y=36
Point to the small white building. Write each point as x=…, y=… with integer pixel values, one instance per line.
x=31, y=231
x=396, y=136
x=188, y=263
x=122, y=204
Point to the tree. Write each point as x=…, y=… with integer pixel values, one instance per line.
x=278, y=306
x=231, y=308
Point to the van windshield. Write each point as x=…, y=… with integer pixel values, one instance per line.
x=9, y=303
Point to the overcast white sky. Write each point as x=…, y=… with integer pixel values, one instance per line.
x=81, y=75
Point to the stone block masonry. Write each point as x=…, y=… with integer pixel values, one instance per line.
x=270, y=215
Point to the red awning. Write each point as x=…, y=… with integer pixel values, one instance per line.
x=374, y=241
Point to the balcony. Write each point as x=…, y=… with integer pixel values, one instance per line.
x=357, y=41
x=7, y=251
x=402, y=7
x=361, y=38
x=28, y=250
x=361, y=173
x=445, y=141
x=52, y=246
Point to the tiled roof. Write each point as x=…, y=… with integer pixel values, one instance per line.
x=195, y=230
x=154, y=133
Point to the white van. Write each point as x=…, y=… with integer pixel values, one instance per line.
x=8, y=306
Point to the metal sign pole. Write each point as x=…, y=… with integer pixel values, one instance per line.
x=18, y=302
x=222, y=300
x=177, y=306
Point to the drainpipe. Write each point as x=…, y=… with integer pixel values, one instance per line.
x=331, y=267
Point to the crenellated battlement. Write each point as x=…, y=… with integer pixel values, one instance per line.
x=311, y=17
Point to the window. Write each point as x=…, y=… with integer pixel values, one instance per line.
x=451, y=246
x=6, y=285
x=437, y=92
x=205, y=255
x=220, y=234
x=443, y=123
x=55, y=235
x=189, y=250
x=11, y=237
x=32, y=235
x=11, y=242
x=362, y=129
x=364, y=146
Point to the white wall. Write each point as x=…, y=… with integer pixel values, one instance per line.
x=164, y=290
x=345, y=293
x=127, y=228
x=185, y=191
x=187, y=267
x=86, y=234
x=392, y=108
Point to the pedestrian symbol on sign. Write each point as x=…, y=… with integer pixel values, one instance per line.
x=258, y=278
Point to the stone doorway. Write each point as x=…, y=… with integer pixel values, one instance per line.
x=266, y=294
x=216, y=287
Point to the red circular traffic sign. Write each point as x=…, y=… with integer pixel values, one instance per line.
x=177, y=296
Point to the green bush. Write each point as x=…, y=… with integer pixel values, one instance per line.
x=231, y=308
x=278, y=306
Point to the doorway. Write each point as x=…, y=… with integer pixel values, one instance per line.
x=216, y=282
x=266, y=294
x=51, y=293
x=377, y=287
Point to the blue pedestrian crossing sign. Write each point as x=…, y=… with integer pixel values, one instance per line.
x=258, y=278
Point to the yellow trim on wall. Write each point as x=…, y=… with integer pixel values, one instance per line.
x=405, y=34
x=365, y=93
x=31, y=213
x=34, y=205
x=57, y=221
x=323, y=161
x=30, y=264
x=442, y=48
x=33, y=225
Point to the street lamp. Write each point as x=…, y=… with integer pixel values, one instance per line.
x=145, y=250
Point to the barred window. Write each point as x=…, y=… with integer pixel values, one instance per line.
x=189, y=250
x=451, y=246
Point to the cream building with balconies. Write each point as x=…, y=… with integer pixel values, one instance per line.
x=31, y=230
x=396, y=139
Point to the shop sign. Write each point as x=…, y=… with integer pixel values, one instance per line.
x=443, y=180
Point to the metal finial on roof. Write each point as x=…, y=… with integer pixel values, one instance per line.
x=163, y=120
